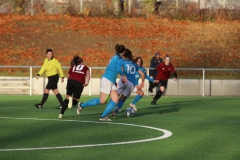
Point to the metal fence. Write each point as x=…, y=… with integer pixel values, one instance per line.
x=96, y=7
x=30, y=78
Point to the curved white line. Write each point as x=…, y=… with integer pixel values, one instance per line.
x=166, y=135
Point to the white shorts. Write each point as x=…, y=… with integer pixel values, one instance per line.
x=125, y=89
x=106, y=86
x=134, y=90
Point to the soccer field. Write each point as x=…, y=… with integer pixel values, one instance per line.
x=177, y=128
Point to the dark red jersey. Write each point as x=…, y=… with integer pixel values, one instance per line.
x=164, y=71
x=78, y=72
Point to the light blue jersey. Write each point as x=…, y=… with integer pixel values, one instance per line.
x=130, y=70
x=137, y=76
x=114, y=67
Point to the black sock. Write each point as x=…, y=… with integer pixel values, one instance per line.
x=74, y=102
x=59, y=97
x=44, y=98
x=158, y=95
x=151, y=86
x=64, y=106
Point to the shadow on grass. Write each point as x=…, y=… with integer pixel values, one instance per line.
x=192, y=101
x=159, y=109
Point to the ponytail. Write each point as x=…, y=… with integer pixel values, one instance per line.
x=119, y=48
x=76, y=60
x=128, y=54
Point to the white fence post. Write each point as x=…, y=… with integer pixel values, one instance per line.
x=81, y=5
x=30, y=90
x=203, y=83
x=31, y=10
x=90, y=84
x=147, y=83
x=129, y=6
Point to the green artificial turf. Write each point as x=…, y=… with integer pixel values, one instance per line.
x=202, y=128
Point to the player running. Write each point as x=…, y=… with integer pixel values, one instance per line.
x=164, y=69
x=125, y=88
x=78, y=78
x=139, y=91
x=107, y=85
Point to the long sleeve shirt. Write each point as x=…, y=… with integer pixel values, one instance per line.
x=51, y=67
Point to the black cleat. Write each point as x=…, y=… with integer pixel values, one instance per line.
x=38, y=105
x=153, y=102
x=60, y=107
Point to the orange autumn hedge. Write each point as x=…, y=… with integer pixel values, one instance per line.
x=24, y=39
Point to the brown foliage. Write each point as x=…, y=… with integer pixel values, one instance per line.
x=191, y=44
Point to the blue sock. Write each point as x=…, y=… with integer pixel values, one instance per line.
x=92, y=102
x=108, y=108
x=136, y=99
x=119, y=105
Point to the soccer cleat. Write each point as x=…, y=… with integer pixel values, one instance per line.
x=114, y=115
x=79, y=108
x=60, y=107
x=133, y=106
x=119, y=110
x=105, y=119
x=60, y=115
x=153, y=102
x=38, y=105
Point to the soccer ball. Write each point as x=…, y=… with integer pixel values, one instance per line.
x=130, y=112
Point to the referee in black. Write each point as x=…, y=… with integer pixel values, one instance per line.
x=51, y=66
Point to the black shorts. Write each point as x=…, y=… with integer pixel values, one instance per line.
x=74, y=88
x=163, y=83
x=52, y=82
x=159, y=84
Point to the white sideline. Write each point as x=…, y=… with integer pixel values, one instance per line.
x=166, y=135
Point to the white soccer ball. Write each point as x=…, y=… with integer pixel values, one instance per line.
x=130, y=112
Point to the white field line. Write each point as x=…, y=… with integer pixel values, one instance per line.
x=165, y=135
